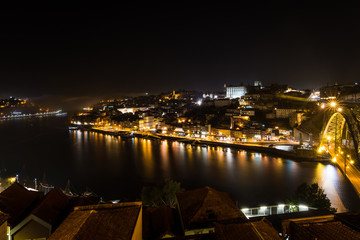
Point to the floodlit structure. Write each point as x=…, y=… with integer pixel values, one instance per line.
x=235, y=91
x=340, y=139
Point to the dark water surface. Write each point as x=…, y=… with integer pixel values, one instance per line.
x=117, y=168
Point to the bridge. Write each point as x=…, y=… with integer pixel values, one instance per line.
x=340, y=138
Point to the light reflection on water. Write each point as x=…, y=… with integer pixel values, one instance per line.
x=328, y=178
x=250, y=178
x=118, y=168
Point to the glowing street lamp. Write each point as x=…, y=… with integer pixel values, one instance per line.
x=333, y=104
x=321, y=149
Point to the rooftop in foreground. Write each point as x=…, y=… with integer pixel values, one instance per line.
x=106, y=221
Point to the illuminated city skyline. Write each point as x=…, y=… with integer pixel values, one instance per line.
x=55, y=52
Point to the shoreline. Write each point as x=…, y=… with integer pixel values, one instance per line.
x=33, y=115
x=297, y=155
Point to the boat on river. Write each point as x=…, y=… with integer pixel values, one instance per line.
x=125, y=135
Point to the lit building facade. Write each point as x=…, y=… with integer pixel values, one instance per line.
x=235, y=91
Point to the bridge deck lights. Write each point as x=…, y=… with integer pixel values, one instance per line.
x=321, y=149
x=333, y=104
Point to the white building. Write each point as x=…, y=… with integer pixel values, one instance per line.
x=235, y=91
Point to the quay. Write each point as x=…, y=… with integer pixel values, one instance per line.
x=297, y=154
x=31, y=115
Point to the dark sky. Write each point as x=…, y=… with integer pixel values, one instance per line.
x=78, y=51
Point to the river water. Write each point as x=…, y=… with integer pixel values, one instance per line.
x=116, y=168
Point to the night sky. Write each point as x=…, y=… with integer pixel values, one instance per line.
x=73, y=52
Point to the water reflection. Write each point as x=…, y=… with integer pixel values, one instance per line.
x=147, y=157
x=164, y=158
x=250, y=178
x=328, y=178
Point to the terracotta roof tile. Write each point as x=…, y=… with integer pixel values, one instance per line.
x=277, y=219
x=17, y=202
x=206, y=205
x=250, y=231
x=265, y=229
x=334, y=230
x=351, y=219
x=235, y=231
x=52, y=206
x=107, y=221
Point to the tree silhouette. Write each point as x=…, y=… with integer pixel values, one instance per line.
x=164, y=194
x=313, y=196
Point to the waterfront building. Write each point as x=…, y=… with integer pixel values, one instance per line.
x=301, y=134
x=146, y=123
x=221, y=134
x=236, y=134
x=254, y=132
